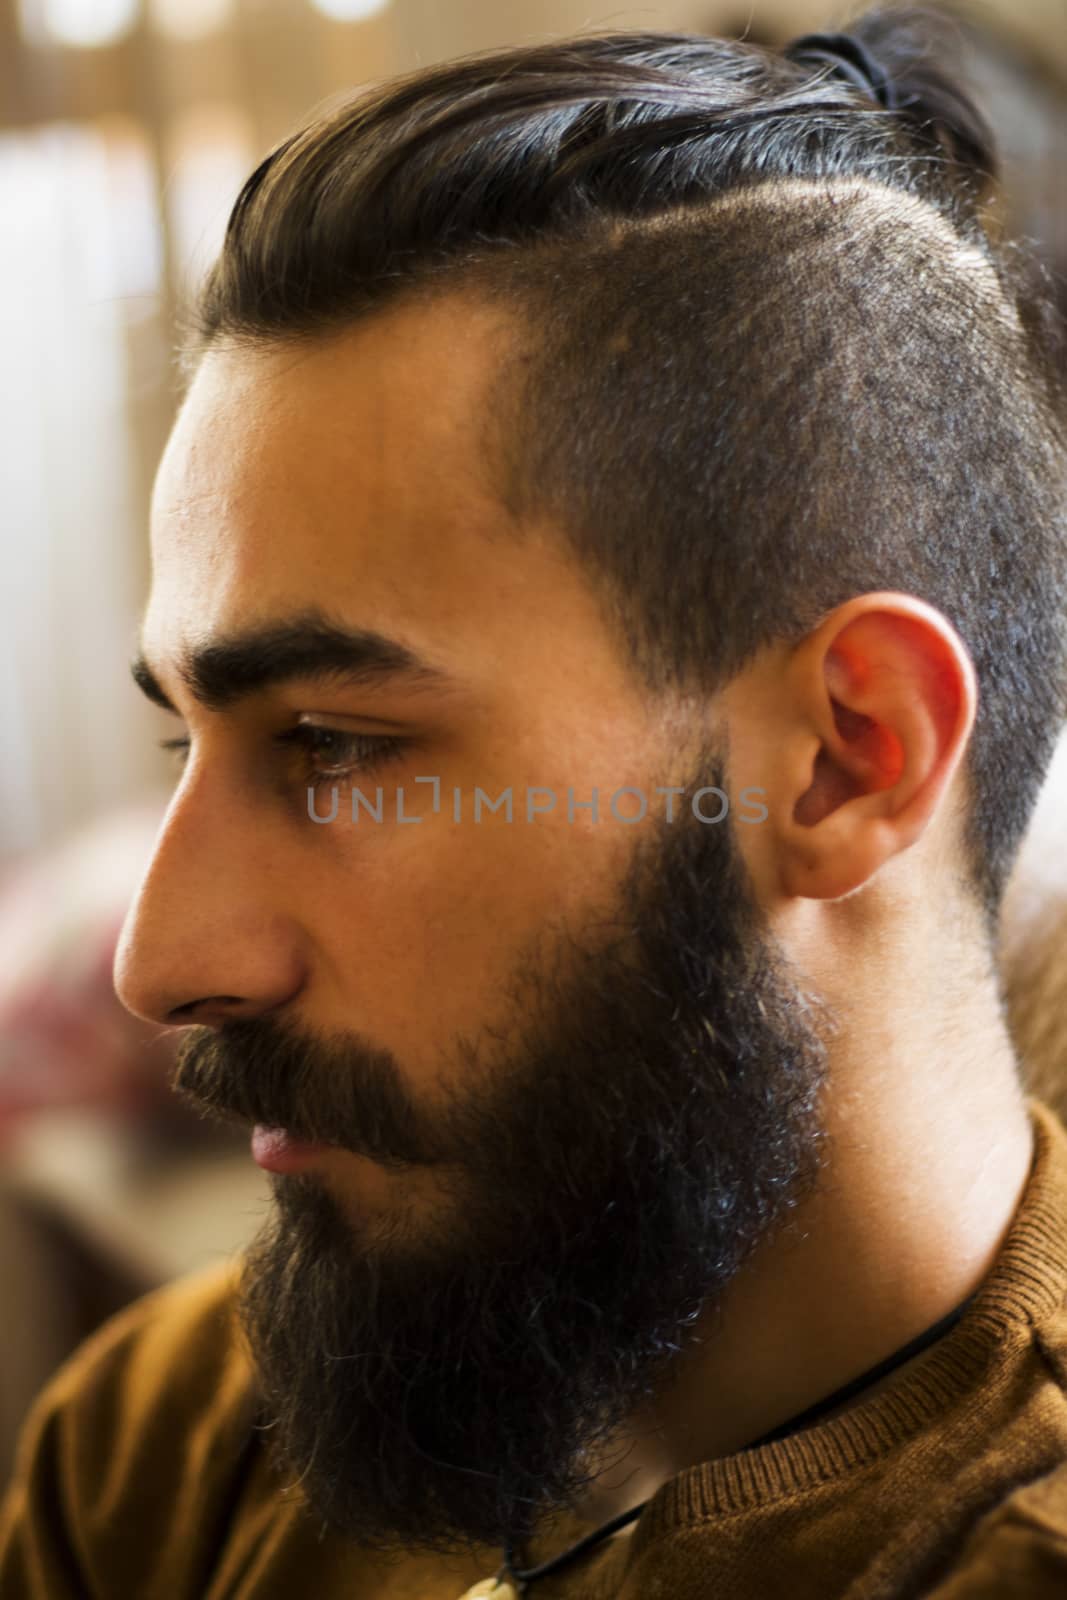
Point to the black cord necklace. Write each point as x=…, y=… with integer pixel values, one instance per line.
x=520, y=1580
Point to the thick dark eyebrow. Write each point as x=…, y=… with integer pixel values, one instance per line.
x=221, y=672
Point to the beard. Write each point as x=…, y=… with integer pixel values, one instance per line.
x=648, y=1116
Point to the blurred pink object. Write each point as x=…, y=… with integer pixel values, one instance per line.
x=65, y=1040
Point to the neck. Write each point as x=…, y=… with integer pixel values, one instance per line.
x=929, y=1153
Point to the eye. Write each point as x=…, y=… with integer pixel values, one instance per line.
x=180, y=748
x=345, y=753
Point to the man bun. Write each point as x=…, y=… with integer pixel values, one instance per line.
x=904, y=60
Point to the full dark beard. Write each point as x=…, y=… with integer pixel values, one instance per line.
x=655, y=1120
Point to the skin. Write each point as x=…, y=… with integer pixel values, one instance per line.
x=349, y=473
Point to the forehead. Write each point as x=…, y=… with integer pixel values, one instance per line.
x=291, y=447
x=351, y=475
x=300, y=465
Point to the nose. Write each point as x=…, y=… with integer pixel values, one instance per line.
x=208, y=938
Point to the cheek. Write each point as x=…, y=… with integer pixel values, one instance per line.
x=416, y=929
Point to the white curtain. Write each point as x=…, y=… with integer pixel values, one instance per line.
x=79, y=265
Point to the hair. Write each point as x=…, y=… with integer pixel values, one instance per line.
x=776, y=349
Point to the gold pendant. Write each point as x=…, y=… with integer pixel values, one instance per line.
x=490, y=1589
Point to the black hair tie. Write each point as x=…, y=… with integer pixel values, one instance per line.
x=850, y=59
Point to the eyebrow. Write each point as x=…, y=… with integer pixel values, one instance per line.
x=222, y=672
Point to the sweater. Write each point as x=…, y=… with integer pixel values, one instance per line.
x=140, y=1475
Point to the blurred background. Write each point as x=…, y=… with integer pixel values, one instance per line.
x=126, y=129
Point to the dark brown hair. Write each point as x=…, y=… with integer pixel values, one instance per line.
x=776, y=352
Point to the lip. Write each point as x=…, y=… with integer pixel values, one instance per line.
x=275, y=1150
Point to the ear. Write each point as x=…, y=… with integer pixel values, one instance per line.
x=886, y=694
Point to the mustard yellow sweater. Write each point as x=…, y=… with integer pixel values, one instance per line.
x=140, y=1478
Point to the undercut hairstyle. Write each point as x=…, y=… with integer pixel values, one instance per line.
x=774, y=350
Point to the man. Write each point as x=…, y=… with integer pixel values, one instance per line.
x=610, y=571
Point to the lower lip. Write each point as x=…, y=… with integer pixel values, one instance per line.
x=275, y=1151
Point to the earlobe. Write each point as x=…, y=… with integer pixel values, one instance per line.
x=891, y=691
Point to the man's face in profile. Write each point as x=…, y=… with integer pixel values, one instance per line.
x=567, y=1078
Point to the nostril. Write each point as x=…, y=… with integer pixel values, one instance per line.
x=197, y=1008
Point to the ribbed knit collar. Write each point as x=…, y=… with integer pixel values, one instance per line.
x=1027, y=1281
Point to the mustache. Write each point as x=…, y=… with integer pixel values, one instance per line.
x=334, y=1089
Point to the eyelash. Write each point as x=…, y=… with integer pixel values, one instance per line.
x=366, y=750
